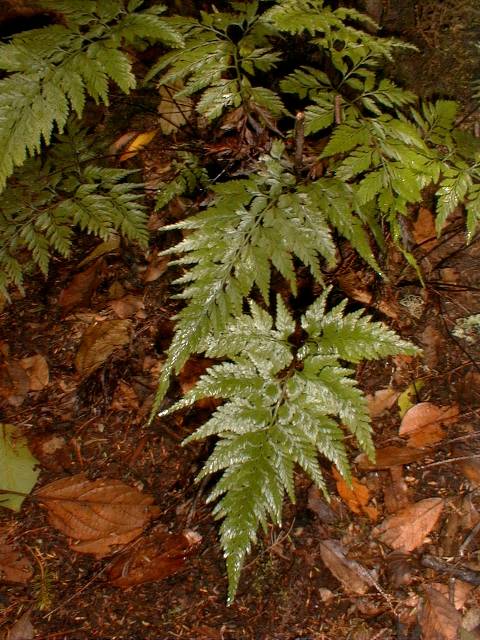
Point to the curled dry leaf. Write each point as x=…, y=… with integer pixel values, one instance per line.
x=438, y=619
x=162, y=555
x=98, y=514
x=389, y=457
x=356, y=496
x=422, y=424
x=98, y=342
x=14, y=566
x=36, y=368
x=354, y=578
x=381, y=400
x=408, y=529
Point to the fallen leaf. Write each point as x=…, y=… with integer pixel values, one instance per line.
x=395, y=490
x=408, y=529
x=354, y=577
x=157, y=265
x=432, y=342
x=108, y=246
x=127, y=306
x=138, y=142
x=98, y=342
x=22, y=629
x=82, y=287
x=424, y=232
x=174, y=112
x=461, y=591
x=98, y=514
x=14, y=383
x=439, y=620
x=356, y=496
x=422, y=423
x=14, y=566
x=389, y=457
x=353, y=286
x=162, y=555
x=125, y=398
x=381, y=400
x=468, y=464
x=18, y=470
x=318, y=505
x=36, y=368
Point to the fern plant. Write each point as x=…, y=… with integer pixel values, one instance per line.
x=51, y=71
x=51, y=197
x=285, y=403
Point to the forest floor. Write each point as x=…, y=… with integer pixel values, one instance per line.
x=395, y=557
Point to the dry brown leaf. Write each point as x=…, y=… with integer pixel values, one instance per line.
x=319, y=505
x=354, y=577
x=108, y=246
x=127, y=306
x=125, y=398
x=439, y=620
x=353, y=286
x=468, y=464
x=432, y=342
x=356, y=496
x=422, y=424
x=158, y=558
x=157, y=265
x=424, y=232
x=174, y=112
x=14, y=567
x=22, y=629
x=98, y=514
x=82, y=287
x=98, y=342
x=36, y=368
x=408, y=529
x=381, y=400
x=14, y=383
x=389, y=457
x=395, y=490
x=461, y=591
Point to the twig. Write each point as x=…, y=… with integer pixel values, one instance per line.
x=462, y=573
x=468, y=539
x=299, y=140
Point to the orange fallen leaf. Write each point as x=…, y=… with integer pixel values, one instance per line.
x=36, y=368
x=424, y=232
x=356, y=496
x=14, y=566
x=389, y=457
x=408, y=529
x=354, y=577
x=97, y=515
x=137, y=144
x=162, y=555
x=98, y=342
x=439, y=620
x=422, y=423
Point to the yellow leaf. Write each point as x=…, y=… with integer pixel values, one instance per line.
x=139, y=142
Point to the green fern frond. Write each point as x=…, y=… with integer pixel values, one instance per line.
x=51, y=70
x=283, y=407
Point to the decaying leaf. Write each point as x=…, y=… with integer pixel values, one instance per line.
x=395, y=490
x=14, y=566
x=356, y=496
x=22, y=629
x=409, y=397
x=18, y=470
x=97, y=515
x=36, y=368
x=424, y=232
x=354, y=577
x=461, y=591
x=389, y=457
x=14, y=383
x=157, y=558
x=107, y=246
x=82, y=287
x=439, y=620
x=408, y=529
x=157, y=265
x=98, y=342
x=422, y=423
x=174, y=112
x=127, y=306
x=381, y=400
